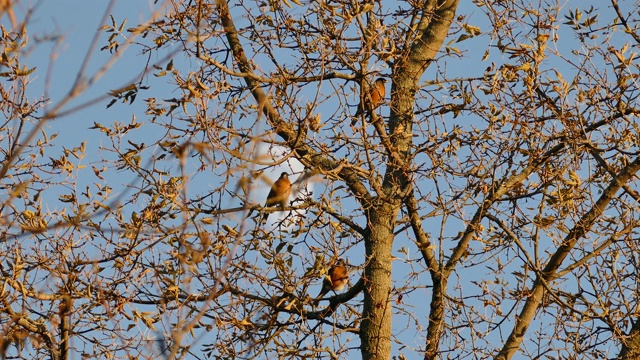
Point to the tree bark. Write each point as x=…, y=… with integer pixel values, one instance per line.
x=631, y=344
x=549, y=272
x=432, y=29
x=375, y=331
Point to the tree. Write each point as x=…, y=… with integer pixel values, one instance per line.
x=499, y=186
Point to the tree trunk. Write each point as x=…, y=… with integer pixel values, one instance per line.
x=375, y=331
x=631, y=344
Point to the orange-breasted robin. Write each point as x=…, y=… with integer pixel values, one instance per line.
x=336, y=279
x=375, y=98
x=279, y=194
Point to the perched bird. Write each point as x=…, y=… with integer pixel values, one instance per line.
x=279, y=194
x=337, y=279
x=375, y=98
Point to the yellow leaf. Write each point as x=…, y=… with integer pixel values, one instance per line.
x=575, y=177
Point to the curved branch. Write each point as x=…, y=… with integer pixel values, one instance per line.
x=624, y=22
x=286, y=131
x=36, y=328
x=550, y=271
x=424, y=244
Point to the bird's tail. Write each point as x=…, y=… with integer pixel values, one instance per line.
x=322, y=293
x=355, y=118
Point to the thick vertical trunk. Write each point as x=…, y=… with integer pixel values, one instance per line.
x=375, y=330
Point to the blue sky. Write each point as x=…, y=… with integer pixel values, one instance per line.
x=78, y=22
